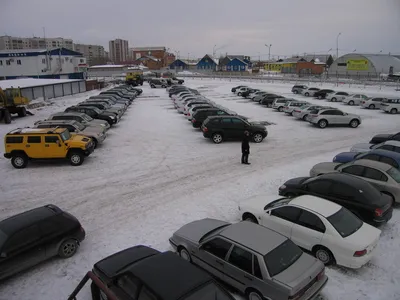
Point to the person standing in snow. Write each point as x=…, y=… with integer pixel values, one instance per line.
x=245, y=148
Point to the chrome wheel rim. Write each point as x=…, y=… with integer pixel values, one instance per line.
x=322, y=124
x=69, y=248
x=217, y=138
x=19, y=161
x=323, y=256
x=185, y=255
x=75, y=159
x=258, y=138
x=354, y=124
x=254, y=296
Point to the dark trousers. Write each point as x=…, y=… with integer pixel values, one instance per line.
x=245, y=157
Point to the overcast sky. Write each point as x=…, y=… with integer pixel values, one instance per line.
x=235, y=26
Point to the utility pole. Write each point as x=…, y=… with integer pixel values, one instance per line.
x=269, y=51
x=337, y=45
x=214, y=50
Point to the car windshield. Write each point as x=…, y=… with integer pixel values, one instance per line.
x=282, y=257
x=345, y=222
x=96, y=110
x=80, y=126
x=65, y=135
x=394, y=173
x=3, y=238
x=87, y=118
x=209, y=291
x=277, y=203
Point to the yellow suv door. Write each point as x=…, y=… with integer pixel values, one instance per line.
x=54, y=147
x=34, y=146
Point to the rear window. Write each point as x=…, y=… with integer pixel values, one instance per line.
x=282, y=257
x=395, y=174
x=314, y=111
x=345, y=222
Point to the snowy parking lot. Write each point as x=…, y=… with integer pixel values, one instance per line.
x=155, y=172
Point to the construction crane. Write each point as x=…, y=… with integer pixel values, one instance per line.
x=12, y=102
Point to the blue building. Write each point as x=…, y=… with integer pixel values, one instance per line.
x=237, y=65
x=182, y=64
x=57, y=63
x=207, y=63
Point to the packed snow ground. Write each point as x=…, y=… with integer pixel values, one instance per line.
x=155, y=173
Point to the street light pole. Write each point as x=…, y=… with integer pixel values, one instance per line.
x=269, y=50
x=214, y=50
x=337, y=45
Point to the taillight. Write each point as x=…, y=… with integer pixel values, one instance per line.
x=378, y=212
x=193, y=120
x=205, y=129
x=360, y=253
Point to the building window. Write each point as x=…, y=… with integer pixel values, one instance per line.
x=18, y=61
x=8, y=62
x=81, y=60
x=1, y=62
x=43, y=60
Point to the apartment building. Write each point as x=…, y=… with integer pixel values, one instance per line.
x=94, y=54
x=118, y=51
x=18, y=43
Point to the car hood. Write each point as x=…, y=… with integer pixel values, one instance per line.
x=379, y=138
x=301, y=272
x=365, y=236
x=92, y=130
x=361, y=147
x=345, y=157
x=106, y=113
x=258, y=125
x=96, y=122
x=296, y=181
x=323, y=168
x=195, y=230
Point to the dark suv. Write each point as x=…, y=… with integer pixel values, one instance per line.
x=95, y=113
x=202, y=114
x=219, y=128
x=36, y=235
x=144, y=273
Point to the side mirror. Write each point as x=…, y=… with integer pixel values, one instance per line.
x=3, y=255
x=268, y=212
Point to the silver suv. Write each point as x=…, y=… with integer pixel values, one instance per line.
x=257, y=261
x=290, y=106
x=98, y=135
x=81, y=118
x=331, y=116
x=280, y=103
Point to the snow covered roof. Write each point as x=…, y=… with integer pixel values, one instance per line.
x=382, y=62
x=321, y=57
x=31, y=82
x=148, y=49
x=107, y=66
x=36, y=52
x=141, y=67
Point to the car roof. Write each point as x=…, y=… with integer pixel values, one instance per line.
x=17, y=222
x=373, y=164
x=36, y=130
x=392, y=143
x=65, y=122
x=344, y=179
x=70, y=113
x=319, y=205
x=224, y=116
x=388, y=153
x=168, y=275
x=253, y=236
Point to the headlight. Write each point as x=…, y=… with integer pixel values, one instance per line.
x=282, y=187
x=112, y=117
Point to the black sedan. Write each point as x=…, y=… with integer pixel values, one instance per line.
x=141, y=272
x=321, y=94
x=357, y=195
x=380, y=138
x=237, y=87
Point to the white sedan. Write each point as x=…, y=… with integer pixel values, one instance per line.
x=331, y=232
x=388, y=145
x=355, y=99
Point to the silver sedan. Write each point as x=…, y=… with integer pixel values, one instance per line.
x=303, y=111
x=253, y=259
x=383, y=176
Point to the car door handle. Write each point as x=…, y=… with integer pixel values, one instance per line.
x=248, y=277
x=27, y=146
x=219, y=262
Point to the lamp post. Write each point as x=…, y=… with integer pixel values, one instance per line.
x=214, y=50
x=269, y=50
x=337, y=45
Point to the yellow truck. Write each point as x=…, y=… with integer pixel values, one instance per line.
x=12, y=102
x=134, y=77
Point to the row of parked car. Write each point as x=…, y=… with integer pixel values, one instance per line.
x=72, y=134
x=164, y=82
x=385, y=104
x=317, y=115
x=216, y=122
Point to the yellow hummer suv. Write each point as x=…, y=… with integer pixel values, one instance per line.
x=24, y=144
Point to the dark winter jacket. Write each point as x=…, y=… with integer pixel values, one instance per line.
x=245, y=145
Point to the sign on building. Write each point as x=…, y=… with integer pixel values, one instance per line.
x=357, y=65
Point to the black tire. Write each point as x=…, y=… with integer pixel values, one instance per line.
x=280, y=108
x=257, y=137
x=324, y=255
x=371, y=106
x=323, y=123
x=184, y=254
x=319, y=97
x=354, y=123
x=269, y=105
x=305, y=117
x=7, y=117
x=19, y=161
x=22, y=112
x=307, y=94
x=95, y=291
x=217, y=138
x=163, y=86
x=95, y=142
x=76, y=158
x=68, y=248
x=153, y=86
x=351, y=102
x=239, y=94
x=393, y=111
x=295, y=92
x=333, y=99
x=254, y=295
x=249, y=217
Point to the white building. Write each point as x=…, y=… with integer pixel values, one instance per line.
x=118, y=51
x=17, y=43
x=94, y=54
x=55, y=63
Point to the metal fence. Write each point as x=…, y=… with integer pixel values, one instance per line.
x=54, y=90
